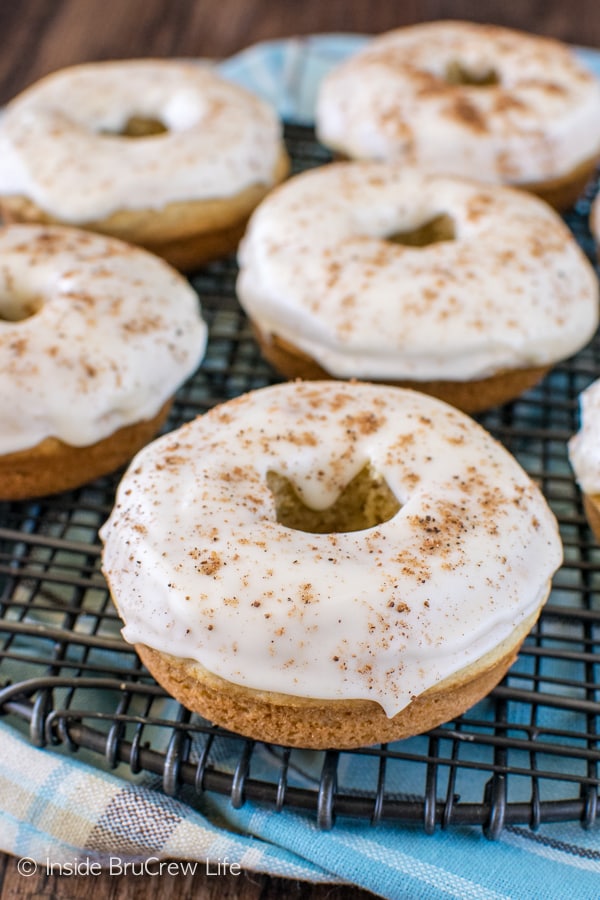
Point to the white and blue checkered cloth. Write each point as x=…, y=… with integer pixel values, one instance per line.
x=56, y=807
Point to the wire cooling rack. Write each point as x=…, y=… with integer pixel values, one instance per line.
x=528, y=754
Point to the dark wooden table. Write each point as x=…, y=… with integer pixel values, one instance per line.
x=39, y=36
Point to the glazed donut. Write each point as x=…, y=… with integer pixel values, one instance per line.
x=328, y=564
x=584, y=454
x=164, y=154
x=336, y=283
x=462, y=98
x=95, y=337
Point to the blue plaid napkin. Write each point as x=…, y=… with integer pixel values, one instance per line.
x=59, y=809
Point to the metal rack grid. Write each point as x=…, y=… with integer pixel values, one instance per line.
x=530, y=753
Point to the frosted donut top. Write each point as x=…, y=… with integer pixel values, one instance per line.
x=511, y=290
x=200, y=568
x=60, y=143
x=94, y=335
x=393, y=100
x=584, y=447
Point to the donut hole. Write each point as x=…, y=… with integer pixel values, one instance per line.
x=440, y=228
x=18, y=307
x=459, y=74
x=139, y=127
x=365, y=502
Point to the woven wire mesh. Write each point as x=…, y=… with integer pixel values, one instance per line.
x=528, y=754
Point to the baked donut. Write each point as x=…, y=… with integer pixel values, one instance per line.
x=584, y=454
x=382, y=272
x=160, y=153
x=462, y=98
x=95, y=337
x=328, y=564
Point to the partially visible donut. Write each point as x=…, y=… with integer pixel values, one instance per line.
x=160, y=153
x=95, y=338
x=385, y=273
x=584, y=454
x=468, y=99
x=328, y=564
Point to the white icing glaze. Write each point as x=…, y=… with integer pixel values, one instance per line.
x=392, y=101
x=584, y=447
x=512, y=289
x=115, y=334
x=220, y=139
x=200, y=568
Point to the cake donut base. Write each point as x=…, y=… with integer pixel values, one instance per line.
x=470, y=396
x=562, y=193
x=54, y=466
x=320, y=724
x=591, y=505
